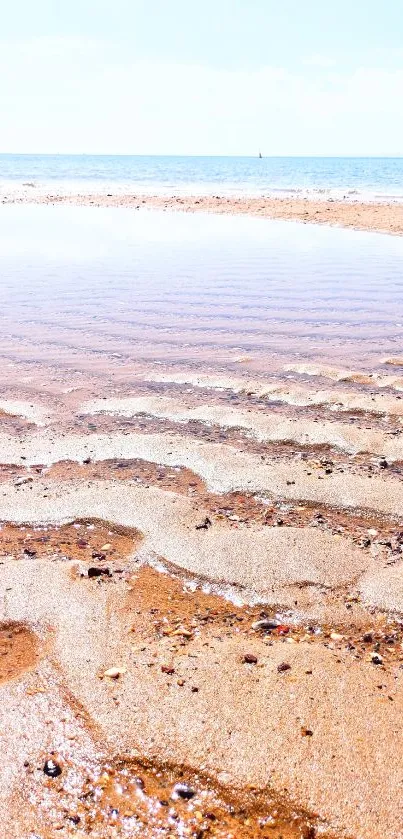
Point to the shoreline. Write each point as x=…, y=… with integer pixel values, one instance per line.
x=357, y=215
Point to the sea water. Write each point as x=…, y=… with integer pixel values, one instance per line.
x=337, y=177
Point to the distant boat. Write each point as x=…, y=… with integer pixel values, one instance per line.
x=260, y=155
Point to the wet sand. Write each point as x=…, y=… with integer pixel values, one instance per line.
x=385, y=217
x=201, y=553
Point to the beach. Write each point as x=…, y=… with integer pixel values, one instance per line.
x=201, y=464
x=382, y=216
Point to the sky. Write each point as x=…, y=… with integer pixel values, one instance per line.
x=286, y=77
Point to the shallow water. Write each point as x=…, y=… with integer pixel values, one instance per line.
x=159, y=286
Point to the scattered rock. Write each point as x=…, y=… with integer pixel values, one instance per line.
x=283, y=667
x=167, y=668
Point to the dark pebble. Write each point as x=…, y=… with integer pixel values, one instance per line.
x=52, y=769
x=283, y=667
x=96, y=572
x=184, y=791
x=74, y=819
x=250, y=659
x=204, y=524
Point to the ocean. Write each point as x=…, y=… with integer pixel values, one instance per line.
x=338, y=177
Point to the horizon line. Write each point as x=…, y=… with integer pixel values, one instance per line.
x=246, y=156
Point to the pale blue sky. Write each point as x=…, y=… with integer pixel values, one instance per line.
x=217, y=77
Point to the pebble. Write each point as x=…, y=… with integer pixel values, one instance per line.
x=182, y=631
x=115, y=672
x=376, y=658
x=249, y=658
x=52, y=769
x=306, y=732
x=183, y=791
x=204, y=525
x=335, y=636
x=266, y=623
x=283, y=667
x=20, y=481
